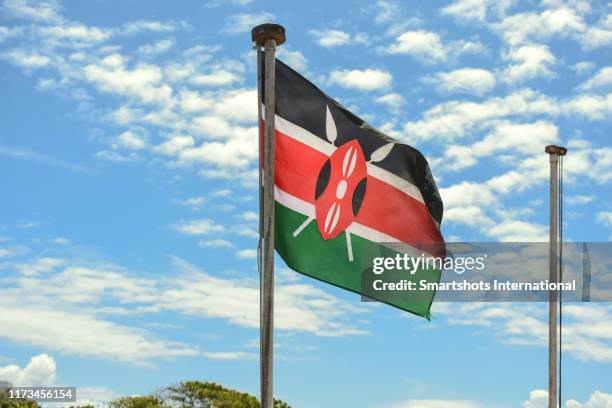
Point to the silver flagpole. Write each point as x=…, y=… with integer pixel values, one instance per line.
x=267, y=36
x=554, y=152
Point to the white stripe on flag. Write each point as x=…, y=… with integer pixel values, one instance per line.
x=294, y=203
x=303, y=136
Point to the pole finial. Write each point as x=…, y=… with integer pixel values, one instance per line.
x=264, y=32
x=554, y=149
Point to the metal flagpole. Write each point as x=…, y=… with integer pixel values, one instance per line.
x=267, y=36
x=554, y=152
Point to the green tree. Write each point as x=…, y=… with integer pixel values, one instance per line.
x=193, y=394
x=147, y=401
x=281, y=404
x=197, y=394
x=6, y=402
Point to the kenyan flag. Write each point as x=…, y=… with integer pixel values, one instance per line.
x=346, y=193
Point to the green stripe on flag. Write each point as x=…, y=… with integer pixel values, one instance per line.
x=328, y=261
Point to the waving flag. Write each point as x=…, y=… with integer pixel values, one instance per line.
x=346, y=193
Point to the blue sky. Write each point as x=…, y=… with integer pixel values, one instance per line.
x=128, y=212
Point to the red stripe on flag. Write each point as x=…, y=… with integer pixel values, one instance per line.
x=389, y=210
x=385, y=208
x=297, y=167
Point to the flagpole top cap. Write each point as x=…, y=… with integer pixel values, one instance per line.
x=554, y=149
x=264, y=32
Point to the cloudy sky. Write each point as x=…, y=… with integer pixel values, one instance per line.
x=128, y=208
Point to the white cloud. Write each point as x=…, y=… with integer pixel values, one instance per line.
x=505, y=137
x=243, y=22
x=95, y=396
x=523, y=27
x=229, y=355
x=591, y=106
x=41, y=11
x=81, y=333
x=468, y=10
x=194, y=202
x=363, y=80
x=586, y=327
x=466, y=193
x=245, y=230
x=10, y=252
x=124, y=115
x=298, y=307
x=198, y=227
x=139, y=26
x=58, y=241
x=76, y=34
x=249, y=216
x=387, y=11
x=215, y=243
x=597, y=36
x=605, y=218
x=519, y=231
x=70, y=310
x=217, y=3
x=62, y=311
x=331, y=38
x=194, y=101
x=27, y=224
x=39, y=372
x=175, y=145
x=458, y=48
x=222, y=193
x=466, y=80
x=452, y=119
x=597, y=399
x=426, y=45
x=247, y=254
x=295, y=59
x=143, y=82
x=212, y=130
x=528, y=62
x=537, y=399
x=29, y=155
x=215, y=78
x=558, y=19
x=580, y=199
x=39, y=266
x=433, y=403
x=393, y=100
x=114, y=156
x=602, y=79
x=30, y=60
x=131, y=140
x=478, y=205
x=237, y=150
x=238, y=105
x=584, y=67
x=4, y=33
x=156, y=48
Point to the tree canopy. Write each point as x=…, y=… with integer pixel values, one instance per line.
x=188, y=394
